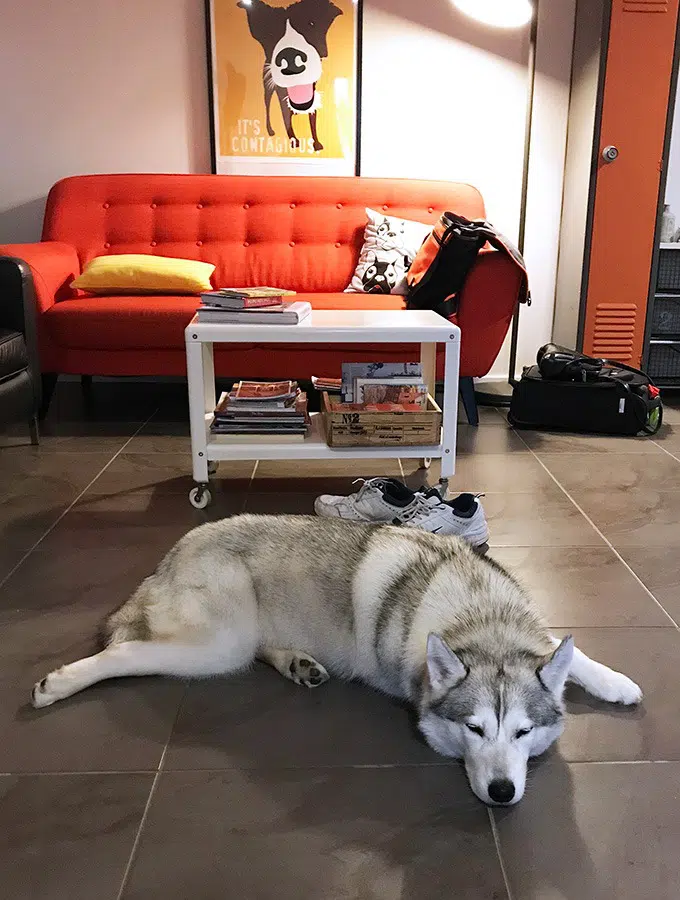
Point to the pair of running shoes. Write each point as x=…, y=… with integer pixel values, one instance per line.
x=389, y=501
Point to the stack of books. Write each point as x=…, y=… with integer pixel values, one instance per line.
x=252, y=306
x=277, y=409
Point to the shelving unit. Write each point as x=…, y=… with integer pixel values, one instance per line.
x=663, y=361
x=372, y=327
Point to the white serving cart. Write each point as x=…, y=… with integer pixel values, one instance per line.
x=324, y=327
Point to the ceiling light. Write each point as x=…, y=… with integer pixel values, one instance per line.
x=500, y=13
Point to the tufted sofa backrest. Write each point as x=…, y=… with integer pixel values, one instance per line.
x=301, y=233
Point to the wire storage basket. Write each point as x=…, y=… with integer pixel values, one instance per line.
x=664, y=361
x=666, y=315
x=668, y=276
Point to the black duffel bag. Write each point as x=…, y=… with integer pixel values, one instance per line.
x=570, y=391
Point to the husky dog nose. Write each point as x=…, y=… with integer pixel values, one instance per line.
x=501, y=790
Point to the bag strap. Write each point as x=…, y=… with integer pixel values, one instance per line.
x=614, y=364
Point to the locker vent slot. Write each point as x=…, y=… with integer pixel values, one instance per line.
x=614, y=330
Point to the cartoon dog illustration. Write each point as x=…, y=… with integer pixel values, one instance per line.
x=391, y=234
x=380, y=275
x=294, y=42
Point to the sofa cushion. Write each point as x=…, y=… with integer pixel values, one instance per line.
x=390, y=246
x=144, y=273
x=13, y=354
x=157, y=322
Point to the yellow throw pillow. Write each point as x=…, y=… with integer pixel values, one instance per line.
x=137, y=273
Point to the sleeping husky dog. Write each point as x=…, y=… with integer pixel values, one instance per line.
x=419, y=616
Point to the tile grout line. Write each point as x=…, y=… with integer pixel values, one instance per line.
x=244, y=505
x=342, y=767
x=54, y=524
x=147, y=807
x=496, y=840
x=142, y=822
x=661, y=447
x=77, y=772
x=600, y=533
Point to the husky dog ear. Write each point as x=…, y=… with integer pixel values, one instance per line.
x=553, y=673
x=444, y=669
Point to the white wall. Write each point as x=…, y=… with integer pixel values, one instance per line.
x=460, y=92
x=546, y=176
x=122, y=87
x=97, y=87
x=444, y=98
x=673, y=179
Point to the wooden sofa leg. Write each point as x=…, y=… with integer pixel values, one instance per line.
x=49, y=383
x=467, y=393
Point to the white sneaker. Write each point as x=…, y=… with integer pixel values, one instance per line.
x=463, y=516
x=377, y=500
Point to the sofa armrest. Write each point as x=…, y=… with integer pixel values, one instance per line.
x=52, y=267
x=493, y=289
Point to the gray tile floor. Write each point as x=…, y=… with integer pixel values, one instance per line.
x=251, y=788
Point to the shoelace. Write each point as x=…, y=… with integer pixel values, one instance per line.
x=422, y=504
x=366, y=484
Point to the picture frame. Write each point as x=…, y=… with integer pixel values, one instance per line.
x=284, y=86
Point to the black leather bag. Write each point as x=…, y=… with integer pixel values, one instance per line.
x=570, y=391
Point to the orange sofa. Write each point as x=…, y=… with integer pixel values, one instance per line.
x=299, y=233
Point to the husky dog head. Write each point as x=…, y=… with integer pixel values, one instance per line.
x=494, y=714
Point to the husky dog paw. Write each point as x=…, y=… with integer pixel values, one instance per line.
x=304, y=669
x=618, y=688
x=46, y=692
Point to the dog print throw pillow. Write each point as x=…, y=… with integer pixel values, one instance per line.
x=390, y=245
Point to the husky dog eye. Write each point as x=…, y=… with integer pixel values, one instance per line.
x=522, y=732
x=475, y=729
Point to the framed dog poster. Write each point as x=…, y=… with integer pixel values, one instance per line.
x=284, y=85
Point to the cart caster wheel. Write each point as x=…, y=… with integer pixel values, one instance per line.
x=425, y=463
x=200, y=497
x=213, y=466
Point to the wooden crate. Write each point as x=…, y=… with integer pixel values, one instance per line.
x=383, y=429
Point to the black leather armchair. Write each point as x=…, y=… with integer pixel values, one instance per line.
x=20, y=386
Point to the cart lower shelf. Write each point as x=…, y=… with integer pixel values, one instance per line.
x=314, y=446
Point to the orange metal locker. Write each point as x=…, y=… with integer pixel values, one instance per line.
x=637, y=78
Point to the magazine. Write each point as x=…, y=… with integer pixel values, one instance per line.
x=352, y=371
x=270, y=408
x=264, y=390
x=332, y=385
x=392, y=390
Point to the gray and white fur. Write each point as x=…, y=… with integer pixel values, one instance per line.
x=419, y=616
